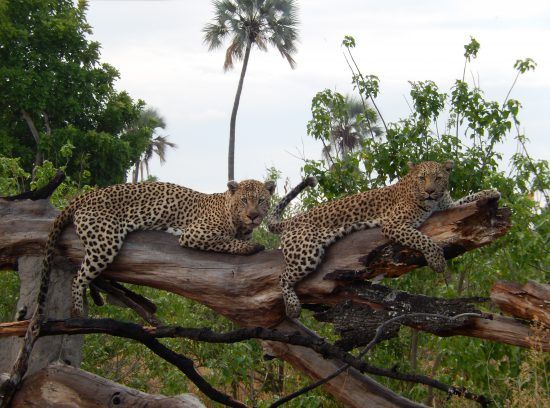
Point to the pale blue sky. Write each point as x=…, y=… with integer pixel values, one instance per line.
x=157, y=47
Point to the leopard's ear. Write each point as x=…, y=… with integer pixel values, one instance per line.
x=232, y=186
x=410, y=165
x=448, y=165
x=270, y=186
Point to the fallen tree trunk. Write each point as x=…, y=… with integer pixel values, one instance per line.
x=63, y=385
x=245, y=289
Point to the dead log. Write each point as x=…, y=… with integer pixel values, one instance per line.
x=62, y=385
x=369, y=305
x=245, y=289
x=530, y=301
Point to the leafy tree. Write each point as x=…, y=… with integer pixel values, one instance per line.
x=351, y=122
x=54, y=90
x=463, y=125
x=248, y=23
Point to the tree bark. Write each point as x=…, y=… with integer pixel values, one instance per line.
x=233, y=122
x=61, y=385
x=52, y=348
x=245, y=289
x=530, y=301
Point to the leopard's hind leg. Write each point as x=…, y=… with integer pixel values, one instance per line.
x=102, y=236
x=303, y=248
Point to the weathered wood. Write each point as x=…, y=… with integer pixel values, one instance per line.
x=503, y=330
x=530, y=301
x=61, y=385
x=369, y=305
x=245, y=289
x=52, y=348
x=352, y=388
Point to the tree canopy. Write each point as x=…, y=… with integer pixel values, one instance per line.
x=56, y=91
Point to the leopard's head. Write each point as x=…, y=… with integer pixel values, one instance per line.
x=429, y=180
x=249, y=203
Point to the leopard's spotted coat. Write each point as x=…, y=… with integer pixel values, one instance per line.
x=399, y=209
x=220, y=222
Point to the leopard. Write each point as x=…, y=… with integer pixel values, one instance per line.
x=219, y=222
x=398, y=209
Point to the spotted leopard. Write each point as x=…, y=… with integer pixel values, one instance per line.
x=399, y=209
x=220, y=222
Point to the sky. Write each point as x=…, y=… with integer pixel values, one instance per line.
x=158, y=48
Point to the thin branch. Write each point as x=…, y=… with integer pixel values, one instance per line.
x=41, y=193
x=187, y=367
x=325, y=349
x=512, y=87
x=141, y=305
x=371, y=98
x=379, y=331
x=362, y=99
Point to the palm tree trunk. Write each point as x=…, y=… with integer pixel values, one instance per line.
x=135, y=173
x=231, y=154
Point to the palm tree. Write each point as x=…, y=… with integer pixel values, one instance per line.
x=357, y=124
x=149, y=121
x=248, y=23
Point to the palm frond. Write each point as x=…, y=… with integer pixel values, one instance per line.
x=234, y=51
x=261, y=22
x=214, y=35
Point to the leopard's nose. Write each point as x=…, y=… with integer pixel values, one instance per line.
x=429, y=189
x=254, y=216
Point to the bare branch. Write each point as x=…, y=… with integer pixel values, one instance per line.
x=41, y=193
x=143, y=334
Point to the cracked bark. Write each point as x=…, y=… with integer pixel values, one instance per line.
x=245, y=289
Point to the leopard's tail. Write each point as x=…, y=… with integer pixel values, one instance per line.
x=33, y=330
x=274, y=222
x=59, y=224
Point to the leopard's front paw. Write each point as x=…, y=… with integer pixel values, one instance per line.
x=437, y=262
x=292, y=303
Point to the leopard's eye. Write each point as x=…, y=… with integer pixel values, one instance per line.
x=261, y=201
x=438, y=177
x=422, y=177
x=244, y=200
